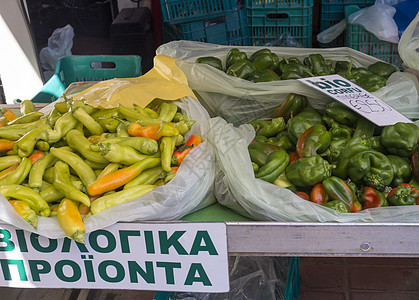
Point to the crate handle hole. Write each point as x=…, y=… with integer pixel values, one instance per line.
x=97, y=65
x=277, y=16
x=214, y=22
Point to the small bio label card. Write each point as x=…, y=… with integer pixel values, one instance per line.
x=356, y=98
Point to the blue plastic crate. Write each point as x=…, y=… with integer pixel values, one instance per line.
x=76, y=68
x=230, y=29
x=332, y=12
x=267, y=24
x=181, y=11
x=292, y=288
x=364, y=41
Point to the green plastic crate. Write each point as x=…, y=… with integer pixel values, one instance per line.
x=268, y=20
x=76, y=68
x=360, y=39
x=292, y=289
x=229, y=29
x=181, y=11
x=332, y=12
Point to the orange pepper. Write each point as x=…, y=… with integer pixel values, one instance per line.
x=155, y=131
x=120, y=177
x=192, y=142
x=70, y=220
x=34, y=157
x=318, y=194
x=9, y=115
x=6, y=172
x=6, y=145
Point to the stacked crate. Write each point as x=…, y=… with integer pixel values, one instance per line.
x=356, y=37
x=214, y=21
x=280, y=22
x=332, y=12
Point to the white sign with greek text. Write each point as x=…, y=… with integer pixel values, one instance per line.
x=356, y=98
x=174, y=256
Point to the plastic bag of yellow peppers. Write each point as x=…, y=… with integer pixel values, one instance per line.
x=89, y=168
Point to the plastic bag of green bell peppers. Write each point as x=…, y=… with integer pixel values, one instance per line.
x=237, y=188
x=240, y=101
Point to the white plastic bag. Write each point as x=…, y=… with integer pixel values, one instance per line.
x=237, y=188
x=240, y=101
x=331, y=33
x=59, y=45
x=378, y=19
x=190, y=190
x=409, y=45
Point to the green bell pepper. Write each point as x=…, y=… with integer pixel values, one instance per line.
x=259, y=152
x=358, y=73
x=343, y=66
x=233, y=56
x=318, y=65
x=382, y=69
x=264, y=59
x=371, y=83
x=264, y=76
x=275, y=165
x=352, y=147
x=282, y=141
x=337, y=205
x=400, y=138
x=242, y=69
x=364, y=128
x=371, y=167
x=401, y=169
x=295, y=71
x=338, y=189
x=404, y=194
x=297, y=125
x=341, y=113
x=268, y=128
x=376, y=144
x=314, y=140
x=211, y=61
x=292, y=105
x=308, y=171
x=335, y=149
x=339, y=131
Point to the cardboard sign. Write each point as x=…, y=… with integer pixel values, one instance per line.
x=356, y=98
x=179, y=256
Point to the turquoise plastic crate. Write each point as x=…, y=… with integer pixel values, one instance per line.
x=332, y=12
x=359, y=39
x=181, y=11
x=292, y=289
x=230, y=29
x=278, y=3
x=76, y=68
x=269, y=19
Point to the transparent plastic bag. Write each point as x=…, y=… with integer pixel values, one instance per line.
x=331, y=33
x=237, y=188
x=59, y=45
x=409, y=45
x=285, y=40
x=190, y=190
x=240, y=101
x=251, y=277
x=378, y=19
